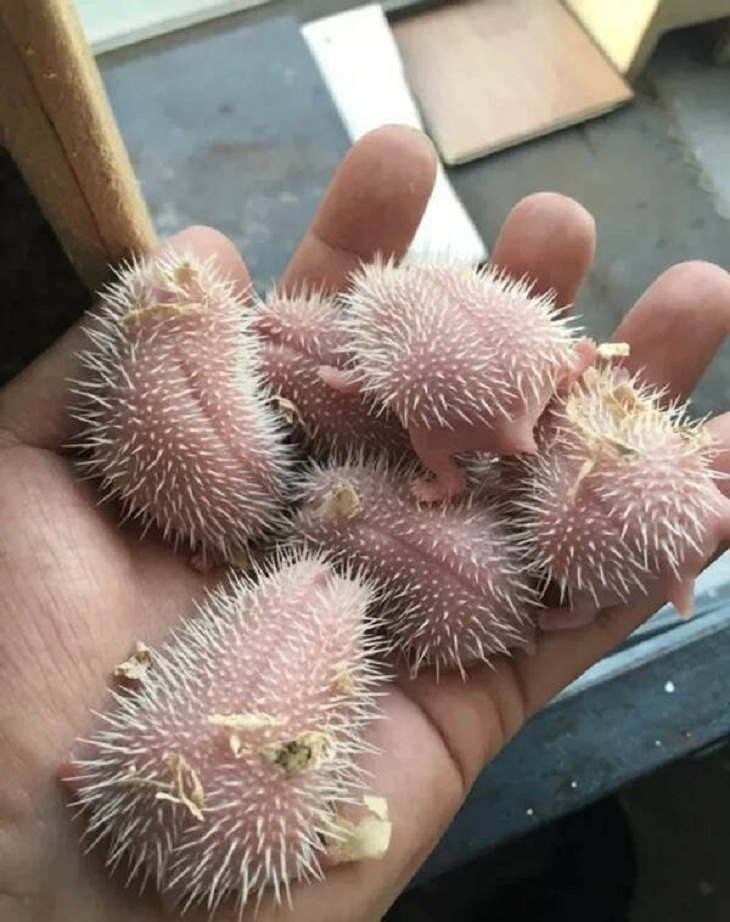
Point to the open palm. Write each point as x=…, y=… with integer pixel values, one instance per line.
x=76, y=591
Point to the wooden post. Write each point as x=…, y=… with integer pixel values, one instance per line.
x=57, y=125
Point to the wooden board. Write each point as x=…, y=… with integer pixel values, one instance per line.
x=489, y=74
x=629, y=32
x=57, y=125
x=358, y=58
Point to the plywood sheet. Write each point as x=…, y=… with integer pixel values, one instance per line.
x=628, y=34
x=619, y=33
x=489, y=74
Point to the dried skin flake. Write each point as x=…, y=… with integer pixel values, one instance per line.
x=135, y=668
x=307, y=752
x=364, y=839
x=341, y=502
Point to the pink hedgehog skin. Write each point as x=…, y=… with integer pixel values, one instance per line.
x=466, y=359
x=176, y=420
x=621, y=500
x=453, y=583
x=299, y=334
x=220, y=776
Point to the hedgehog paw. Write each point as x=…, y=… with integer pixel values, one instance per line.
x=339, y=380
x=447, y=484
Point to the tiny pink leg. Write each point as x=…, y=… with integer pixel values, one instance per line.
x=436, y=452
x=449, y=479
x=515, y=438
x=681, y=593
x=203, y=563
x=338, y=379
x=722, y=526
x=586, y=354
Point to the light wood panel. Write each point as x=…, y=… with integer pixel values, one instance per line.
x=628, y=31
x=56, y=124
x=489, y=74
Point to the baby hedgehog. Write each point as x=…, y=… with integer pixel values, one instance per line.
x=621, y=500
x=300, y=333
x=466, y=359
x=232, y=767
x=453, y=587
x=176, y=419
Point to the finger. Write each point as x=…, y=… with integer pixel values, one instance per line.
x=678, y=325
x=719, y=427
x=549, y=238
x=33, y=406
x=373, y=206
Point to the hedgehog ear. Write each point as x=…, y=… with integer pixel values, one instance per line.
x=339, y=380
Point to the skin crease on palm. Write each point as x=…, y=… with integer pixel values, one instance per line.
x=76, y=591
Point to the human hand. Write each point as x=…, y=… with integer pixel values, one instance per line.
x=76, y=590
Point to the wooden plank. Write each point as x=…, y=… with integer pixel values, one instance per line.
x=56, y=124
x=629, y=35
x=489, y=74
x=358, y=58
x=619, y=33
